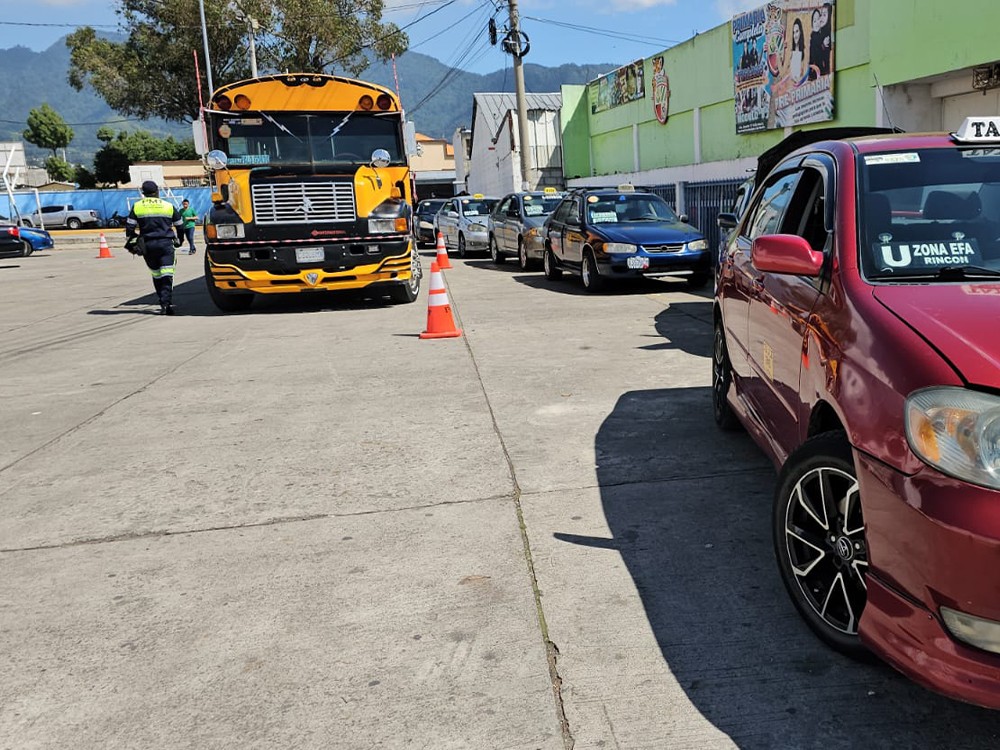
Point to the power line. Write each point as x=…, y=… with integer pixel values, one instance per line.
x=462, y=57
x=653, y=41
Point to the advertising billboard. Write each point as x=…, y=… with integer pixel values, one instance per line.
x=783, y=63
x=621, y=86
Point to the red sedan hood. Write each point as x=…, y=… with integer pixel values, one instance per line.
x=960, y=320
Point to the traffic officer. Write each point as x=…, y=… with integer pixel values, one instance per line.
x=159, y=226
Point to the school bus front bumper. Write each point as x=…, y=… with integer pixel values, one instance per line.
x=268, y=271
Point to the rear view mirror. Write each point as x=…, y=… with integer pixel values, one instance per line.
x=785, y=253
x=684, y=218
x=727, y=221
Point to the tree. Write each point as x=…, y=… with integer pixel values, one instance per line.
x=120, y=151
x=47, y=129
x=151, y=74
x=85, y=178
x=59, y=169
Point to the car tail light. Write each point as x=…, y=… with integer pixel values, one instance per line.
x=13, y=231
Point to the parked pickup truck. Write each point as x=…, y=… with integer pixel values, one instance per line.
x=62, y=216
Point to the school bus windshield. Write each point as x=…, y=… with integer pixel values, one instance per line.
x=285, y=139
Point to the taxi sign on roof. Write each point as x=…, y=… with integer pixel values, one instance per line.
x=478, y=195
x=550, y=190
x=626, y=188
x=979, y=130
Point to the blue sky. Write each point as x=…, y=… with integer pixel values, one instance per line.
x=455, y=32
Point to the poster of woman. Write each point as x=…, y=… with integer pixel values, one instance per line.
x=794, y=85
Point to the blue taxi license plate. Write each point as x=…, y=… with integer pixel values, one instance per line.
x=310, y=254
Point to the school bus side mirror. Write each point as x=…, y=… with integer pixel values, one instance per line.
x=216, y=160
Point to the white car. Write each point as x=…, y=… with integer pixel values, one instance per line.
x=462, y=221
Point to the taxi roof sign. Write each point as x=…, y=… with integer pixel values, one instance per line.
x=550, y=190
x=477, y=196
x=979, y=130
x=626, y=188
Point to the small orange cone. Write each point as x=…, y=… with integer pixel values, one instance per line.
x=442, y=254
x=440, y=324
x=105, y=250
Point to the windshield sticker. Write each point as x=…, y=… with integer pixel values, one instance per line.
x=248, y=160
x=980, y=153
x=471, y=212
x=251, y=121
x=532, y=209
x=921, y=255
x=603, y=217
x=225, y=131
x=909, y=158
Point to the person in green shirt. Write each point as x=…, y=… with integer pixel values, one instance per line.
x=190, y=217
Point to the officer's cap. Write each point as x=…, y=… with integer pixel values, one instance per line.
x=149, y=188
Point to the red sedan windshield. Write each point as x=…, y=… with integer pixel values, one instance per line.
x=927, y=210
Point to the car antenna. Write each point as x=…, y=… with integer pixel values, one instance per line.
x=885, y=104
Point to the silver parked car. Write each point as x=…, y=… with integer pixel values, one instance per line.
x=511, y=224
x=462, y=221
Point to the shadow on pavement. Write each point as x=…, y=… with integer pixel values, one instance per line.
x=685, y=326
x=690, y=517
x=191, y=299
x=569, y=284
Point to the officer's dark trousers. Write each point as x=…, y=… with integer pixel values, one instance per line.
x=159, y=256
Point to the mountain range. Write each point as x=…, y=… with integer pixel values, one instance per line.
x=31, y=78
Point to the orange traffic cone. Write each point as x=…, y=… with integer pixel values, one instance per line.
x=105, y=250
x=442, y=254
x=440, y=324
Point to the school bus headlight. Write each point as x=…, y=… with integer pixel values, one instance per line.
x=388, y=226
x=229, y=231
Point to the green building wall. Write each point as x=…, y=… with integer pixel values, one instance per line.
x=916, y=38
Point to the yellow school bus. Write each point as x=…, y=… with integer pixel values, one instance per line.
x=311, y=190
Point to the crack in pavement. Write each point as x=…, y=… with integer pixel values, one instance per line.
x=134, y=536
x=111, y=406
x=551, y=650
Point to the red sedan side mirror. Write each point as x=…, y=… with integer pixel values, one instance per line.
x=785, y=253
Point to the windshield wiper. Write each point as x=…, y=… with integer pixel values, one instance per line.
x=945, y=273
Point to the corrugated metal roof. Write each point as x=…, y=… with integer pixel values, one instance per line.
x=496, y=106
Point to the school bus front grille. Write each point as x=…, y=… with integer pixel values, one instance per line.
x=303, y=202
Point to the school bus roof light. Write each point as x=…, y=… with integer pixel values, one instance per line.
x=242, y=101
x=365, y=103
x=384, y=102
x=224, y=102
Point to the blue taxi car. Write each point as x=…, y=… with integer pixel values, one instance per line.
x=608, y=234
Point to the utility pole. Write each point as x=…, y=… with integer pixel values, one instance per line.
x=204, y=39
x=512, y=44
x=253, y=46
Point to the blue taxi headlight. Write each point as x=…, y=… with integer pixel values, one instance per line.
x=620, y=248
x=698, y=245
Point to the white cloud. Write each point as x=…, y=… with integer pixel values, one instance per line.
x=729, y=8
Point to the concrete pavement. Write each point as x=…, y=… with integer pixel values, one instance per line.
x=306, y=528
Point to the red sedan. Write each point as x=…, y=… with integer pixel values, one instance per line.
x=855, y=311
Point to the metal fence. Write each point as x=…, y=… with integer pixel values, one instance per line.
x=702, y=202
